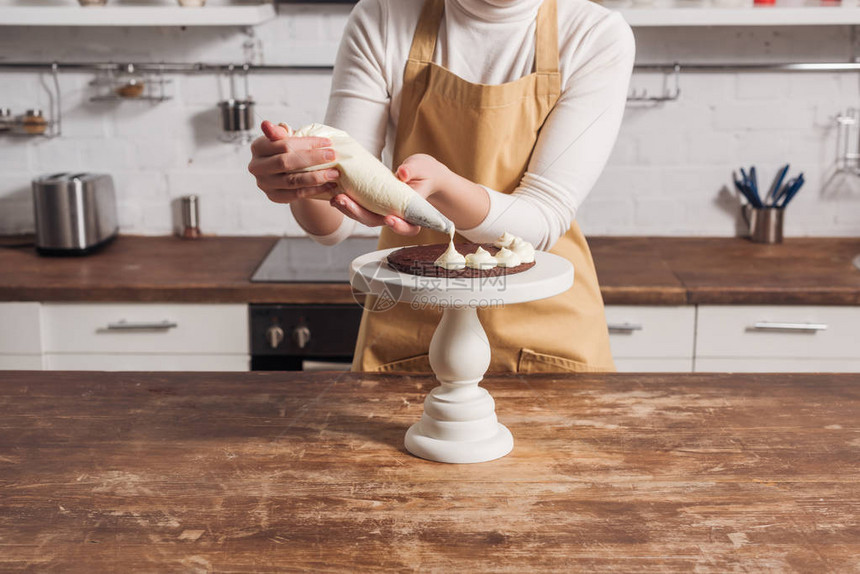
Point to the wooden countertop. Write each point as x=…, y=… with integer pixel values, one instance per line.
x=632, y=270
x=264, y=472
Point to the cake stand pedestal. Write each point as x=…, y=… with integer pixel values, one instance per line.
x=459, y=423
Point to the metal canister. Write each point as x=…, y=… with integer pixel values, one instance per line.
x=237, y=115
x=765, y=224
x=190, y=217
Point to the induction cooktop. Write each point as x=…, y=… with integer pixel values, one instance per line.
x=302, y=260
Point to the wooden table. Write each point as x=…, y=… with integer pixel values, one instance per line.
x=264, y=472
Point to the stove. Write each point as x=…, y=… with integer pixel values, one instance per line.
x=302, y=260
x=298, y=336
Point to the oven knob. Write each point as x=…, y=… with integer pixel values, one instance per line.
x=301, y=335
x=274, y=335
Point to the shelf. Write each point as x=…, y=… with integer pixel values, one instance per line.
x=751, y=16
x=658, y=14
x=238, y=15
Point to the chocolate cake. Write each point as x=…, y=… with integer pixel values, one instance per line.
x=421, y=260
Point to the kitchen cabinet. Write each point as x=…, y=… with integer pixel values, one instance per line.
x=777, y=338
x=214, y=337
x=735, y=338
x=20, y=336
x=652, y=338
x=145, y=336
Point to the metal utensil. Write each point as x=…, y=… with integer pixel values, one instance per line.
x=754, y=184
x=744, y=188
x=237, y=114
x=774, y=190
x=751, y=192
x=790, y=193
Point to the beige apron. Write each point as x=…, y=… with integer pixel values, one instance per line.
x=486, y=134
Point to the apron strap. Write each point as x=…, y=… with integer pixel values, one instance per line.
x=546, y=38
x=424, y=40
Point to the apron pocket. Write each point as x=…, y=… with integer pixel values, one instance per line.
x=532, y=362
x=416, y=364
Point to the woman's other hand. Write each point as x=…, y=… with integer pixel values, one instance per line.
x=275, y=155
x=424, y=173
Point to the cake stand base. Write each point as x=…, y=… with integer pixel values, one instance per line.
x=459, y=452
x=459, y=422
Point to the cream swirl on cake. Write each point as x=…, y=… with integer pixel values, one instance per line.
x=524, y=249
x=507, y=258
x=504, y=240
x=480, y=259
x=451, y=258
x=513, y=252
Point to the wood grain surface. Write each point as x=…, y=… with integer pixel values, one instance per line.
x=717, y=271
x=267, y=472
x=157, y=269
x=805, y=271
x=631, y=270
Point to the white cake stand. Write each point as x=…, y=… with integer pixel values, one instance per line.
x=459, y=423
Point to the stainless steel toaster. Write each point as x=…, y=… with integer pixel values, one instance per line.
x=75, y=212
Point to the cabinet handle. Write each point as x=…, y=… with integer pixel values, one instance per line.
x=624, y=327
x=797, y=327
x=123, y=325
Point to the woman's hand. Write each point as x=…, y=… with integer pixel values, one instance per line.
x=423, y=173
x=276, y=154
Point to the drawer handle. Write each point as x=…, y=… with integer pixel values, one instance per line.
x=624, y=327
x=123, y=325
x=796, y=327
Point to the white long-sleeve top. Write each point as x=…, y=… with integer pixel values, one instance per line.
x=493, y=42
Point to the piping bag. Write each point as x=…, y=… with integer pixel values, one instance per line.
x=370, y=183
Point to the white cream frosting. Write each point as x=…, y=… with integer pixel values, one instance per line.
x=451, y=258
x=513, y=251
x=524, y=249
x=480, y=259
x=507, y=258
x=370, y=183
x=504, y=240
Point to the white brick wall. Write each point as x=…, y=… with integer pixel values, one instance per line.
x=670, y=173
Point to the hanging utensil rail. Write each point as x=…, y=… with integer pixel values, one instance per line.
x=204, y=68
x=200, y=67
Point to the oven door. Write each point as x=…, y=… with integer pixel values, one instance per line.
x=303, y=337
